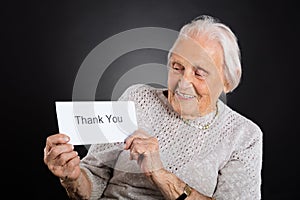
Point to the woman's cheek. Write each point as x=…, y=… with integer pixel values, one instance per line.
x=172, y=82
x=215, y=88
x=201, y=87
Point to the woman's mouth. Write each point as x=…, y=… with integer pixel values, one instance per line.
x=184, y=96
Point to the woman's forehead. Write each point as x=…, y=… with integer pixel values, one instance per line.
x=197, y=53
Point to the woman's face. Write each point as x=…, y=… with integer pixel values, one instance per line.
x=195, y=76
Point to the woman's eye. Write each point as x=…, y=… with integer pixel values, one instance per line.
x=200, y=73
x=177, y=66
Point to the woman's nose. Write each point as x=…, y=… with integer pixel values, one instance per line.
x=186, y=79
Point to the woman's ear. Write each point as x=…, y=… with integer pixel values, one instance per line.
x=226, y=86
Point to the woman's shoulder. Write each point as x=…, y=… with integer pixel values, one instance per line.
x=242, y=123
x=244, y=128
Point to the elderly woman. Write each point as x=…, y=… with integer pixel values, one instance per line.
x=189, y=145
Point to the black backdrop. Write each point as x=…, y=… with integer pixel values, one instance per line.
x=44, y=43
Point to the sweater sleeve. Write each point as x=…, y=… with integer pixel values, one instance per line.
x=240, y=178
x=98, y=165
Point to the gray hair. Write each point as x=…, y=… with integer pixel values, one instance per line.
x=207, y=25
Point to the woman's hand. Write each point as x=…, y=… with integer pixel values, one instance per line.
x=145, y=150
x=61, y=158
x=63, y=162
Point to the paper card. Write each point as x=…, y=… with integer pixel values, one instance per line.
x=90, y=122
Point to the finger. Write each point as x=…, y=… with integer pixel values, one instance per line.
x=138, y=147
x=136, y=134
x=128, y=142
x=64, y=158
x=56, y=151
x=56, y=139
x=71, y=169
x=134, y=156
x=142, y=145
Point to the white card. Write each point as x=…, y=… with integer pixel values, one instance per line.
x=90, y=122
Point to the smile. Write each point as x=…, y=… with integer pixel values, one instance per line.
x=184, y=96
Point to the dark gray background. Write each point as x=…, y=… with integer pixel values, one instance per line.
x=43, y=44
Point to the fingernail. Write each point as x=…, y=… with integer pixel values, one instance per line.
x=66, y=139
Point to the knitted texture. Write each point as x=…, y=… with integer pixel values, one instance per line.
x=223, y=161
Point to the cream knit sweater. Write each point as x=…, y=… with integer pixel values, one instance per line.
x=224, y=161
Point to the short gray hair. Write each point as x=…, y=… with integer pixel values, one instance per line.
x=207, y=25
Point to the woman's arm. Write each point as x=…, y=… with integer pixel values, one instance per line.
x=240, y=178
x=172, y=187
x=79, y=188
x=144, y=149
